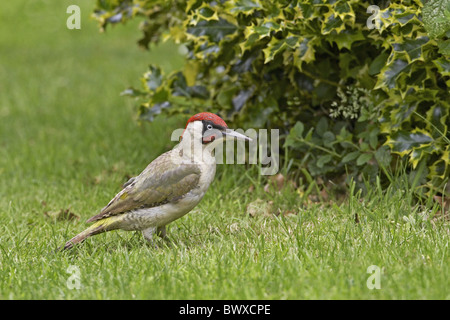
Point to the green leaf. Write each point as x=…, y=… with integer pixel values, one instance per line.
x=350, y=156
x=133, y=93
x=412, y=47
x=363, y=159
x=437, y=117
x=304, y=53
x=378, y=63
x=153, y=78
x=322, y=160
x=383, y=156
x=373, y=138
x=332, y=22
x=277, y=46
x=322, y=126
x=435, y=19
x=328, y=138
x=225, y=96
x=243, y=6
x=255, y=33
x=206, y=12
x=241, y=98
x=345, y=38
x=443, y=66
x=403, y=142
x=150, y=113
x=279, y=64
x=390, y=73
x=298, y=129
x=444, y=47
x=213, y=29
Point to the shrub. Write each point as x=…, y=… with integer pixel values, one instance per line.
x=348, y=97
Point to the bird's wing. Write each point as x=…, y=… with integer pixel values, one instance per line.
x=161, y=182
x=130, y=181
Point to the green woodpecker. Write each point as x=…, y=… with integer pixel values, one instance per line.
x=171, y=185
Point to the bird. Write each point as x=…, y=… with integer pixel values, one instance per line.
x=169, y=187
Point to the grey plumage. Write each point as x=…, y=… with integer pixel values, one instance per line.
x=161, y=182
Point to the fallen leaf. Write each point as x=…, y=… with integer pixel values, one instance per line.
x=289, y=213
x=444, y=202
x=259, y=207
x=278, y=182
x=63, y=214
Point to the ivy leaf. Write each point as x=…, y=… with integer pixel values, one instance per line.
x=255, y=33
x=304, y=52
x=153, y=78
x=242, y=97
x=132, y=92
x=391, y=72
x=437, y=117
x=344, y=10
x=378, y=63
x=438, y=169
x=281, y=62
x=225, y=96
x=332, y=22
x=206, y=12
x=412, y=47
x=213, y=29
x=308, y=11
x=276, y=46
x=443, y=66
x=345, y=38
x=243, y=6
x=444, y=47
x=403, y=142
x=417, y=154
x=149, y=114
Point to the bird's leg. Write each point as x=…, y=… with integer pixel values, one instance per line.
x=148, y=234
x=161, y=231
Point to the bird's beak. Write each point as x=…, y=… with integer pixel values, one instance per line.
x=229, y=133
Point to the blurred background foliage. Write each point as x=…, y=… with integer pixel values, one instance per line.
x=353, y=88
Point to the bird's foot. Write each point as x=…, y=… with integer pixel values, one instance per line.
x=150, y=232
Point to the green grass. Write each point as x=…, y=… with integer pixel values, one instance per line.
x=68, y=141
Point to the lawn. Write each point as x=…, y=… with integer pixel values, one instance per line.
x=68, y=141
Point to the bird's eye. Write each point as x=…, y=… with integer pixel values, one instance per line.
x=209, y=127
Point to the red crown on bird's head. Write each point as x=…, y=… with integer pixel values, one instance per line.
x=207, y=116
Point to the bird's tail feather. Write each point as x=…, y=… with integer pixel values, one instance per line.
x=96, y=228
